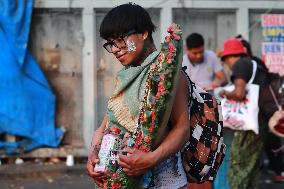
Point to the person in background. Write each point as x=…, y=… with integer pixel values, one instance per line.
x=246, y=44
x=241, y=167
x=272, y=142
x=202, y=66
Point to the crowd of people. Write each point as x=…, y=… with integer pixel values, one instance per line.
x=128, y=31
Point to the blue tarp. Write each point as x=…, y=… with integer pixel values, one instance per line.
x=27, y=104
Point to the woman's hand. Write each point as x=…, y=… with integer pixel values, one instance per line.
x=99, y=178
x=136, y=162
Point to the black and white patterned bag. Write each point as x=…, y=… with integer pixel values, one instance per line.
x=205, y=150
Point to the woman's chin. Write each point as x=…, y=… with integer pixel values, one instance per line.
x=125, y=63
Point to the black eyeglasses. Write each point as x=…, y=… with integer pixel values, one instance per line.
x=118, y=42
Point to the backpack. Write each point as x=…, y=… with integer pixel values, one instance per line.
x=203, y=154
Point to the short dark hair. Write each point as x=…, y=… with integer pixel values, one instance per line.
x=245, y=44
x=124, y=18
x=194, y=40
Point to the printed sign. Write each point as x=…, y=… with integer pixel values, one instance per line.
x=273, y=42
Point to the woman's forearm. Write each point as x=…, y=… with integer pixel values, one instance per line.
x=172, y=144
x=180, y=132
x=98, y=135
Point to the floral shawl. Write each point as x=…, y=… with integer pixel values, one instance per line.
x=142, y=100
x=123, y=106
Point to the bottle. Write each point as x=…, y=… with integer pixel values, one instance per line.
x=110, y=147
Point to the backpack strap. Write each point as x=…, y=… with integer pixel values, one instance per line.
x=274, y=98
x=190, y=86
x=254, y=68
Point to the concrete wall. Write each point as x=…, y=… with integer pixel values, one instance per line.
x=56, y=42
x=214, y=25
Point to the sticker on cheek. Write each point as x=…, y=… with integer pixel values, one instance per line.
x=131, y=46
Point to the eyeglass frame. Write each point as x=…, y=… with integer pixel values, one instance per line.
x=111, y=43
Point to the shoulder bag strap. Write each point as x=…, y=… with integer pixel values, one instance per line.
x=274, y=98
x=190, y=87
x=254, y=68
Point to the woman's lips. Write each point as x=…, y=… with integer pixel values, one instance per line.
x=120, y=57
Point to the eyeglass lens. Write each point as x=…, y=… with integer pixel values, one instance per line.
x=118, y=43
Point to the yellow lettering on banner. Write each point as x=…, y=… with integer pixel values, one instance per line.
x=273, y=31
x=279, y=32
x=270, y=31
x=264, y=32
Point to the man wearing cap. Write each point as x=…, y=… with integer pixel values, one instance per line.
x=202, y=66
x=244, y=148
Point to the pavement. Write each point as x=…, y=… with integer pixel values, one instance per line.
x=39, y=175
x=44, y=176
x=267, y=181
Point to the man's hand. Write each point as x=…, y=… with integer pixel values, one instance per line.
x=222, y=93
x=136, y=162
x=208, y=88
x=99, y=178
x=212, y=87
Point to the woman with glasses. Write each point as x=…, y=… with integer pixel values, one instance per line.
x=128, y=30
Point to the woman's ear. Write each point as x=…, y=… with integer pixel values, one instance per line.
x=145, y=35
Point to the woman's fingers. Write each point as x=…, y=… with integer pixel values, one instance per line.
x=129, y=150
x=129, y=172
x=98, y=175
x=100, y=182
x=95, y=161
x=90, y=169
x=124, y=164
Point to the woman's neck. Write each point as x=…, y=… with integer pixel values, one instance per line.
x=149, y=48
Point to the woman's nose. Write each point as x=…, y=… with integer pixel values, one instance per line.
x=115, y=49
